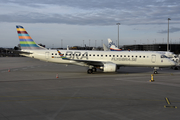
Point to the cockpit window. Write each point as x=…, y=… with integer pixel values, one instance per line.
x=163, y=56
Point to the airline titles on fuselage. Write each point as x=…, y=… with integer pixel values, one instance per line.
x=80, y=56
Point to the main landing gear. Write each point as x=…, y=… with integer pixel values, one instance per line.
x=91, y=70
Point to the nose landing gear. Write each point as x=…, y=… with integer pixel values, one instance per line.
x=155, y=70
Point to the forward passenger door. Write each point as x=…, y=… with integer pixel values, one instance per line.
x=153, y=58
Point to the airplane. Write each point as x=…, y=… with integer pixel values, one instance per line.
x=108, y=61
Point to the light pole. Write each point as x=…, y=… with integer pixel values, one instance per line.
x=168, y=36
x=95, y=43
x=61, y=43
x=118, y=34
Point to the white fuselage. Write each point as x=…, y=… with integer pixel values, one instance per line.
x=123, y=58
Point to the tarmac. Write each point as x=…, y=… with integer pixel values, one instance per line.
x=35, y=90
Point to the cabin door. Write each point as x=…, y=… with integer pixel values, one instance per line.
x=153, y=58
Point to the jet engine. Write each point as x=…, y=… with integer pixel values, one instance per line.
x=109, y=67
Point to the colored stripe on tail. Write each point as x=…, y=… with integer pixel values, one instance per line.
x=25, y=40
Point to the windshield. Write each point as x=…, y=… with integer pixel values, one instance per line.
x=163, y=56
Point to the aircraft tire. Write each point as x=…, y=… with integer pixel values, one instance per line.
x=94, y=70
x=89, y=71
x=155, y=72
x=175, y=68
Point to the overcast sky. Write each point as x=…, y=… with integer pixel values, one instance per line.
x=71, y=21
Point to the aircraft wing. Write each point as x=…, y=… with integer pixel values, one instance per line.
x=86, y=62
x=93, y=63
x=90, y=62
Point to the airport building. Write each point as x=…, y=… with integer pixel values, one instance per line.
x=154, y=47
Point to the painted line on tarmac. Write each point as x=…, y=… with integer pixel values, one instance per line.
x=169, y=104
x=167, y=100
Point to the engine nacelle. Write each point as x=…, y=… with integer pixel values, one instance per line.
x=109, y=67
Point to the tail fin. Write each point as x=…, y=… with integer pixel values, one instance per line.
x=112, y=46
x=26, y=42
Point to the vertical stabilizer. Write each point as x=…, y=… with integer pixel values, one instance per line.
x=112, y=46
x=26, y=42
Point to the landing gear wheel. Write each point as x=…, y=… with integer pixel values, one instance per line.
x=155, y=72
x=89, y=71
x=94, y=70
x=175, y=68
